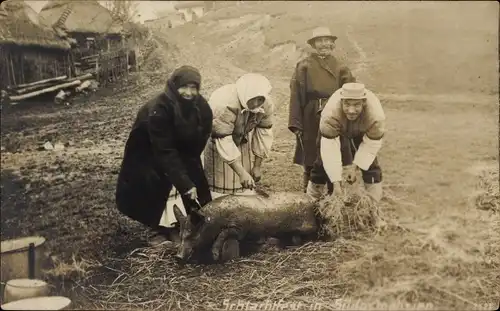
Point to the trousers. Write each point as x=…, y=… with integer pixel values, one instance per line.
x=348, y=148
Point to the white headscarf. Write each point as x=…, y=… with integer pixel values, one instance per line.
x=251, y=85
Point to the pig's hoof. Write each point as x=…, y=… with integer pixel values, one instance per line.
x=230, y=250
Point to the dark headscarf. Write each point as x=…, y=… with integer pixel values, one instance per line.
x=180, y=77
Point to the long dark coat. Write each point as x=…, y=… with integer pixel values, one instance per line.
x=313, y=82
x=164, y=149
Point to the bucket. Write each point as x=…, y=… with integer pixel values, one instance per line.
x=18, y=289
x=19, y=255
x=39, y=303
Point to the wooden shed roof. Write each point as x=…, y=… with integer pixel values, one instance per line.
x=21, y=26
x=84, y=17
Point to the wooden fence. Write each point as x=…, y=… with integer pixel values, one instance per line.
x=107, y=66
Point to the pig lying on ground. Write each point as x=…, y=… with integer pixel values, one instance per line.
x=220, y=225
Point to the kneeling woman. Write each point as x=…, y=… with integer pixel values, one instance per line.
x=163, y=151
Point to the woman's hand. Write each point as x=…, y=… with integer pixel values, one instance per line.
x=192, y=194
x=246, y=180
x=256, y=173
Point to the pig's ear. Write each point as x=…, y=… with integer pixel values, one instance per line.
x=196, y=217
x=178, y=214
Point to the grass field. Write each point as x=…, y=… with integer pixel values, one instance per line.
x=435, y=67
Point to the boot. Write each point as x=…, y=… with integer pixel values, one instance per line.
x=315, y=190
x=374, y=191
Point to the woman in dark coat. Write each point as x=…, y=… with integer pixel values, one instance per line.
x=164, y=151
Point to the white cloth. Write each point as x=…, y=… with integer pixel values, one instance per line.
x=367, y=152
x=331, y=158
x=227, y=149
x=251, y=85
x=168, y=218
x=261, y=141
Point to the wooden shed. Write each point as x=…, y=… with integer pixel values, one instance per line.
x=101, y=46
x=88, y=22
x=29, y=52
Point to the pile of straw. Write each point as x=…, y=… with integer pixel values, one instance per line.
x=150, y=279
x=355, y=212
x=487, y=195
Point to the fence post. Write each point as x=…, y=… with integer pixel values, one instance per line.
x=97, y=68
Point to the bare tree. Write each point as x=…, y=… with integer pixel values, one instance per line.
x=123, y=10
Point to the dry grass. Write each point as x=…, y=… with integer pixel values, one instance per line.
x=487, y=195
x=75, y=269
x=150, y=279
x=353, y=213
x=389, y=265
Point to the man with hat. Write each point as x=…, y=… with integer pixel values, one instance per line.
x=352, y=113
x=314, y=80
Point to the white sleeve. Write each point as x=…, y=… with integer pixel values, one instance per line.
x=367, y=152
x=227, y=149
x=331, y=158
x=262, y=140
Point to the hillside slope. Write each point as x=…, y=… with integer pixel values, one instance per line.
x=404, y=48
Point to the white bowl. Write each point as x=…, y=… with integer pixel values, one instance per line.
x=39, y=303
x=18, y=289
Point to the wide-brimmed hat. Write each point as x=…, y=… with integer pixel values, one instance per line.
x=353, y=91
x=321, y=32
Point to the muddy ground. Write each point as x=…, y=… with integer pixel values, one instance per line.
x=442, y=124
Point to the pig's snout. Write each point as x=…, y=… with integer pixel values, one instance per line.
x=183, y=254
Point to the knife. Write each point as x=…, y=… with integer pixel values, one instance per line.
x=197, y=203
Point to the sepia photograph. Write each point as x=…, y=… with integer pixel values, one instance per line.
x=249, y=155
